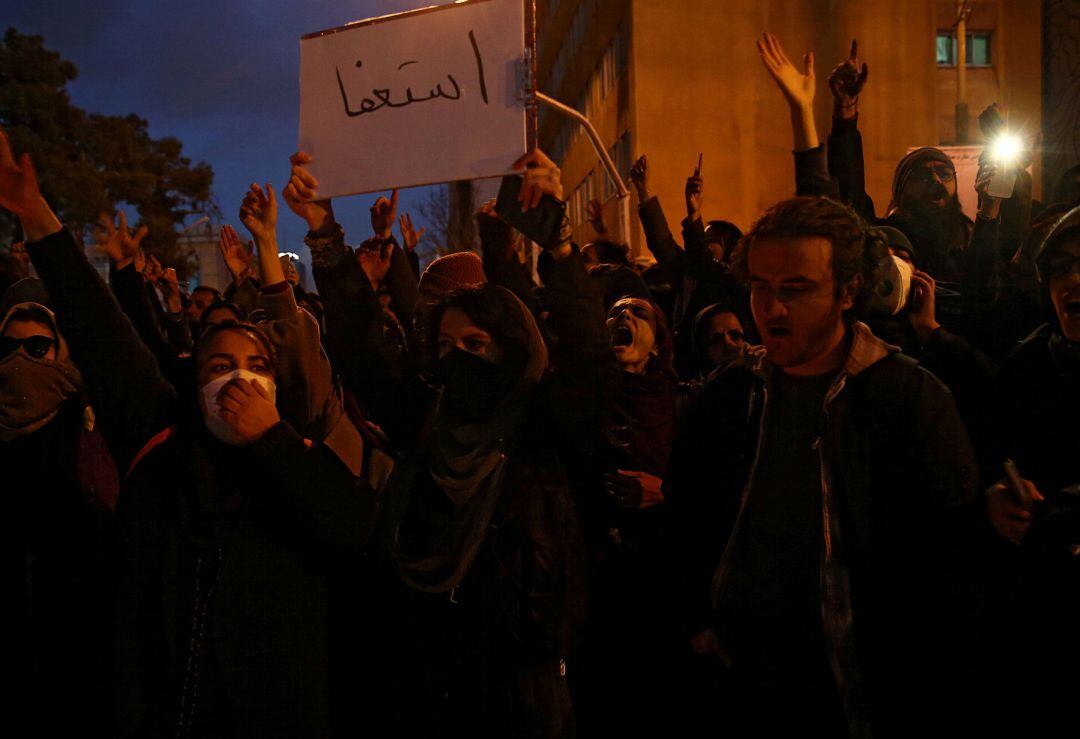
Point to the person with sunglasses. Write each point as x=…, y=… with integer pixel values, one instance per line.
x=60, y=487
x=230, y=522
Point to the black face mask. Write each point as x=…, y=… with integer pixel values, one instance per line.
x=473, y=387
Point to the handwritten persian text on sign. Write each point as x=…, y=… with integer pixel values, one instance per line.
x=414, y=98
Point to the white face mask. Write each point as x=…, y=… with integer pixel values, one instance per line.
x=214, y=422
x=894, y=289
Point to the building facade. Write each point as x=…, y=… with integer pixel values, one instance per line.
x=674, y=78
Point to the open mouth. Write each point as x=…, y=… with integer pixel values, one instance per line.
x=1072, y=307
x=779, y=331
x=621, y=337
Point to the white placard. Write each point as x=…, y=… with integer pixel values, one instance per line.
x=414, y=98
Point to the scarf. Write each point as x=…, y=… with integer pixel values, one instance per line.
x=33, y=390
x=467, y=463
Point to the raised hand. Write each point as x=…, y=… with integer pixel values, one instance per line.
x=639, y=174
x=846, y=81
x=170, y=286
x=486, y=212
x=301, y=196
x=542, y=177
x=797, y=87
x=231, y=252
x=121, y=246
x=151, y=271
x=374, y=258
x=694, y=197
x=20, y=194
x=248, y=409
x=383, y=214
x=19, y=191
x=258, y=213
x=410, y=237
x=990, y=121
x=596, y=217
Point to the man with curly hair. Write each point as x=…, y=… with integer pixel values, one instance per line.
x=837, y=525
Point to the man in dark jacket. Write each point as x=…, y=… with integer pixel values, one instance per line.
x=845, y=498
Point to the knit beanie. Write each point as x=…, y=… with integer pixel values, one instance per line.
x=452, y=272
x=907, y=166
x=897, y=239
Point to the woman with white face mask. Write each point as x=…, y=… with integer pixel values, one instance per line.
x=229, y=520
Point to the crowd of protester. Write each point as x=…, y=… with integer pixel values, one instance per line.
x=819, y=477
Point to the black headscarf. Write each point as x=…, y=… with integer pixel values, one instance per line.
x=32, y=390
x=467, y=456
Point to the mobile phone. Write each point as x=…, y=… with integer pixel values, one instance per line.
x=1017, y=483
x=541, y=224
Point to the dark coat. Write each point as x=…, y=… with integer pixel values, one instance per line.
x=487, y=660
x=223, y=552
x=1034, y=644
x=56, y=577
x=899, y=592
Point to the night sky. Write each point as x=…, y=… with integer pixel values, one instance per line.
x=221, y=75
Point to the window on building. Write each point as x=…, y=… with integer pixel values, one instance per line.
x=978, y=49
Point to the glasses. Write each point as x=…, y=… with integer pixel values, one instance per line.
x=927, y=174
x=36, y=346
x=1062, y=265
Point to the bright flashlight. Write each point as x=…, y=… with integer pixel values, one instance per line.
x=1007, y=147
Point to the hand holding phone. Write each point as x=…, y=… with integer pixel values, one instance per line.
x=541, y=224
x=1016, y=483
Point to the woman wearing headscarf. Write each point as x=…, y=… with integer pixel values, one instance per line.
x=61, y=489
x=481, y=533
x=632, y=639
x=229, y=521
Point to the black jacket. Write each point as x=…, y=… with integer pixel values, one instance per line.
x=899, y=593
x=224, y=553
x=55, y=574
x=1034, y=644
x=487, y=657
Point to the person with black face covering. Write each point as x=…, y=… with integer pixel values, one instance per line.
x=228, y=520
x=62, y=488
x=480, y=530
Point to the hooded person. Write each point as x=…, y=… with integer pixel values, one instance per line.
x=450, y=272
x=926, y=207
x=719, y=338
x=62, y=488
x=37, y=380
x=1031, y=661
x=482, y=533
x=478, y=616
x=229, y=521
